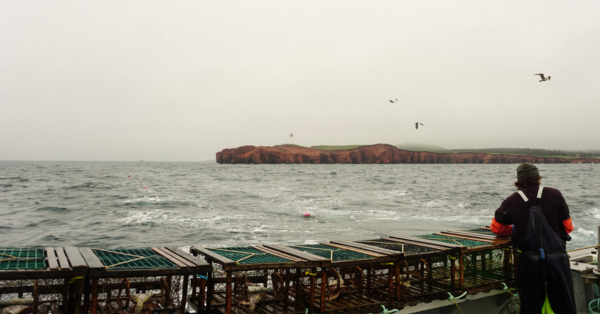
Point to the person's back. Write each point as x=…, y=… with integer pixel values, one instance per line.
x=538, y=220
x=553, y=205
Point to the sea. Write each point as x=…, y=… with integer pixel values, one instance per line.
x=147, y=204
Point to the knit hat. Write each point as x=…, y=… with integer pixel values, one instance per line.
x=527, y=169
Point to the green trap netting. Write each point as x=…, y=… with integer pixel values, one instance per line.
x=248, y=255
x=485, y=267
x=452, y=240
x=409, y=249
x=332, y=253
x=122, y=259
x=22, y=258
x=390, y=245
x=479, y=231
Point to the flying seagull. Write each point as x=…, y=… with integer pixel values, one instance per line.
x=543, y=77
x=393, y=101
x=417, y=125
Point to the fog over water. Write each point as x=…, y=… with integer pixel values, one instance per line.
x=142, y=204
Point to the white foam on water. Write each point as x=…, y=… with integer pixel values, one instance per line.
x=161, y=216
x=595, y=212
x=147, y=199
x=185, y=248
x=310, y=242
x=393, y=194
x=583, y=233
x=380, y=212
x=260, y=228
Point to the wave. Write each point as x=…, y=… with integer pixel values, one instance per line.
x=157, y=201
x=53, y=209
x=15, y=178
x=50, y=238
x=50, y=222
x=87, y=186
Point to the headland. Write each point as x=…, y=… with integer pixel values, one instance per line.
x=372, y=154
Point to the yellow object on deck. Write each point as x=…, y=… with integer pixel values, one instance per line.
x=546, y=308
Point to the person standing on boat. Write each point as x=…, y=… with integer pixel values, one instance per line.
x=538, y=221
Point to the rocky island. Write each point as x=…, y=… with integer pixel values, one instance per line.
x=372, y=154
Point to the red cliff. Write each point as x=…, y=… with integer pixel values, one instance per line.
x=374, y=154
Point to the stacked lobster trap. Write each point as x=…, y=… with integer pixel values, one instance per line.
x=256, y=279
x=41, y=280
x=332, y=277
x=146, y=280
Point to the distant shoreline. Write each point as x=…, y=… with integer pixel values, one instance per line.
x=373, y=154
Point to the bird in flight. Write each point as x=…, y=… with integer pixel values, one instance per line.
x=543, y=77
x=393, y=101
x=417, y=125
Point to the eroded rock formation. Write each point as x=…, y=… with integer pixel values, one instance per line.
x=374, y=154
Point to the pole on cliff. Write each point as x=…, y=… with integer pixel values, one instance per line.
x=292, y=138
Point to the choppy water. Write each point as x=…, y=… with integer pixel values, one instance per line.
x=106, y=204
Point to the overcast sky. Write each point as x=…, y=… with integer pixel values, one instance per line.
x=182, y=80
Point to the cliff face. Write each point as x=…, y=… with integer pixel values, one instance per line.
x=374, y=154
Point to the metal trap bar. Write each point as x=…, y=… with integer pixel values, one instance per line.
x=257, y=279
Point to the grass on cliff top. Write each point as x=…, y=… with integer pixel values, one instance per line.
x=337, y=147
x=441, y=150
x=509, y=154
x=419, y=147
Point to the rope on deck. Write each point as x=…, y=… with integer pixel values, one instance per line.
x=452, y=298
x=594, y=305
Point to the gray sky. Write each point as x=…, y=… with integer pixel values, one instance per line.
x=181, y=80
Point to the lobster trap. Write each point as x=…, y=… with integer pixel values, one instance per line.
x=146, y=280
x=353, y=276
x=485, y=261
x=424, y=274
x=41, y=280
x=257, y=279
